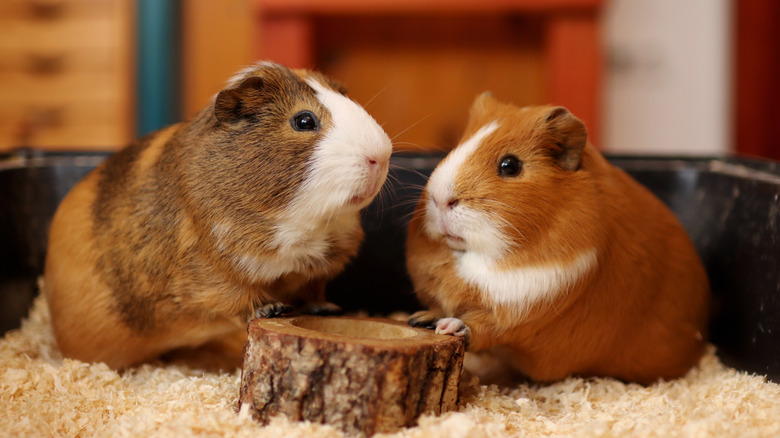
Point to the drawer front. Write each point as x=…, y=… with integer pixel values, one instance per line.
x=55, y=75
x=43, y=63
x=47, y=11
x=72, y=123
x=24, y=35
x=65, y=73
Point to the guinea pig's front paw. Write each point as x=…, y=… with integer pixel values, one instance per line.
x=454, y=327
x=424, y=319
x=273, y=310
x=322, y=309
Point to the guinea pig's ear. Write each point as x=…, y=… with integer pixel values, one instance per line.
x=233, y=104
x=482, y=101
x=570, y=135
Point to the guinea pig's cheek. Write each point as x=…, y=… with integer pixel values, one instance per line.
x=482, y=234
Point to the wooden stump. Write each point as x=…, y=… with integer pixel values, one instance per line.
x=362, y=375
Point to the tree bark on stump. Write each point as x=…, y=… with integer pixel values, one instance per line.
x=362, y=375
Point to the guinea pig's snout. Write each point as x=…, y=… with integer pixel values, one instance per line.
x=373, y=164
x=445, y=203
x=375, y=169
x=443, y=221
x=378, y=164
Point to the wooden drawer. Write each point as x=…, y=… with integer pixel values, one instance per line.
x=88, y=123
x=65, y=73
x=75, y=73
x=50, y=10
x=57, y=34
x=43, y=62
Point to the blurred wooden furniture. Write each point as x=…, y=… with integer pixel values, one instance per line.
x=757, y=90
x=66, y=74
x=216, y=42
x=417, y=64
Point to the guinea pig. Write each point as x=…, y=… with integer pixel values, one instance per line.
x=247, y=210
x=528, y=242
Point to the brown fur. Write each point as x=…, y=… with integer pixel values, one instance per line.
x=133, y=266
x=639, y=315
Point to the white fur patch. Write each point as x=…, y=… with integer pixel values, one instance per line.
x=298, y=244
x=525, y=286
x=322, y=209
x=465, y=229
x=442, y=179
x=259, y=269
x=339, y=170
x=462, y=228
x=221, y=232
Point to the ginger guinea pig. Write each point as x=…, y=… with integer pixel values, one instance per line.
x=527, y=240
x=246, y=210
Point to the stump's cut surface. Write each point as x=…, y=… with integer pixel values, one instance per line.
x=363, y=375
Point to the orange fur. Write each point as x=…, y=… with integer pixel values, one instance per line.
x=638, y=315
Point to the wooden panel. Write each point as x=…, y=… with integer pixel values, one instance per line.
x=42, y=61
x=55, y=75
x=81, y=32
x=757, y=69
x=574, y=68
x=287, y=40
x=367, y=7
x=55, y=10
x=418, y=75
x=79, y=124
x=217, y=40
x=66, y=73
x=417, y=65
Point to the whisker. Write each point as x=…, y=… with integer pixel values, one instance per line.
x=386, y=196
x=424, y=176
x=504, y=204
x=412, y=126
x=365, y=105
x=407, y=185
x=507, y=224
x=405, y=219
x=410, y=202
x=413, y=146
x=392, y=177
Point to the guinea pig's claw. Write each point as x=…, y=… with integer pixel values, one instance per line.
x=322, y=309
x=423, y=319
x=273, y=310
x=453, y=327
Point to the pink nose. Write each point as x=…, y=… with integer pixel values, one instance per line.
x=376, y=166
x=449, y=204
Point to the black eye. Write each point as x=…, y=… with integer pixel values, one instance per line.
x=305, y=121
x=510, y=166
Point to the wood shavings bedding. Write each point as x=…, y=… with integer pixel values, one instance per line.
x=42, y=394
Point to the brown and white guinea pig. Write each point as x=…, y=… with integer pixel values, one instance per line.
x=184, y=235
x=527, y=240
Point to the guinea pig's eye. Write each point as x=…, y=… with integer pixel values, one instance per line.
x=305, y=121
x=509, y=166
